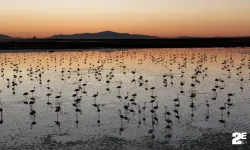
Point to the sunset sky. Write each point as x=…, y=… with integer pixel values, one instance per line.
x=165, y=18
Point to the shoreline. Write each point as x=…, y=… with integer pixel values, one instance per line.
x=101, y=49
x=60, y=44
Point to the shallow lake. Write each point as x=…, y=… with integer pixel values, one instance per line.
x=115, y=99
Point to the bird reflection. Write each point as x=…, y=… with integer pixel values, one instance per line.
x=151, y=131
x=121, y=129
x=57, y=121
x=33, y=121
x=222, y=120
x=207, y=110
x=77, y=120
x=1, y=119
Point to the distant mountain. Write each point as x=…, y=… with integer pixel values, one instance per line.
x=4, y=36
x=104, y=35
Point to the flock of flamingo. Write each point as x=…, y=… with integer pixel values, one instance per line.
x=115, y=71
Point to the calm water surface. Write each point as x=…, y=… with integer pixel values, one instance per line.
x=192, y=83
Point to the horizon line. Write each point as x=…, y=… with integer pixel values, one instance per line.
x=180, y=36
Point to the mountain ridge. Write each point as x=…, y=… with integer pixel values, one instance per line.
x=2, y=36
x=103, y=35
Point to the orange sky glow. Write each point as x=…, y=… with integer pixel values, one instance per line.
x=164, y=18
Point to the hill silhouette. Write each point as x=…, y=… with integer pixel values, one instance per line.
x=103, y=35
x=2, y=36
